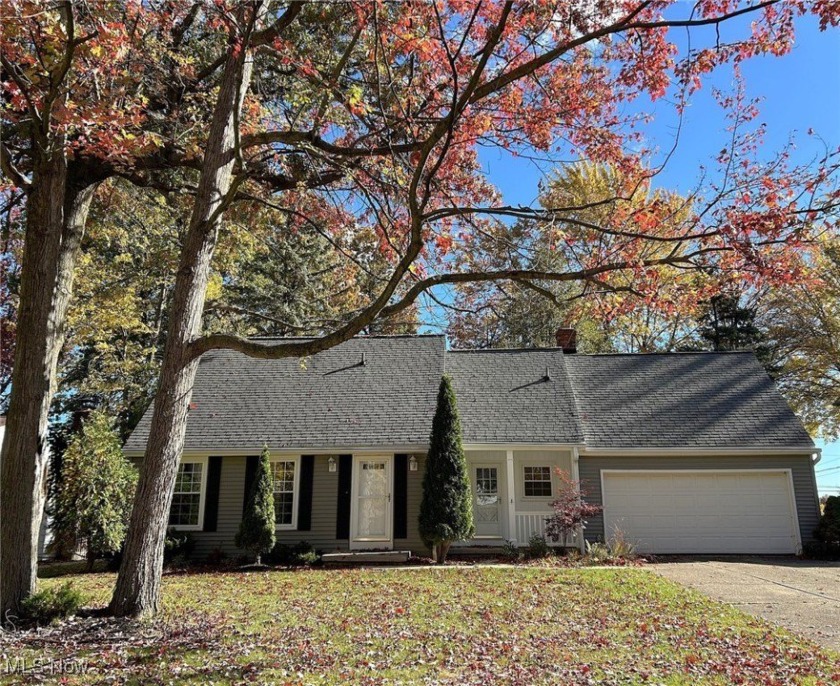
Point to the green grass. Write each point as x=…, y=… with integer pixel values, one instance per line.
x=457, y=625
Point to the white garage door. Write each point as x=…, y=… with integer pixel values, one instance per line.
x=702, y=511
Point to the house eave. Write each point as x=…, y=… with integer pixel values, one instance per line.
x=583, y=450
x=678, y=451
x=286, y=450
x=520, y=445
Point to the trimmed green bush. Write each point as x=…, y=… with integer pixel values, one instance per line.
x=299, y=554
x=821, y=550
x=511, y=552
x=53, y=603
x=216, y=557
x=538, y=547
x=257, y=530
x=828, y=529
x=446, y=507
x=178, y=546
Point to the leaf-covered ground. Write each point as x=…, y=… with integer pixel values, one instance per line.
x=477, y=625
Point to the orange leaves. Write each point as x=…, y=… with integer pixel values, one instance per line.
x=443, y=243
x=98, y=99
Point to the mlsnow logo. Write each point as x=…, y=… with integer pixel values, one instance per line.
x=44, y=666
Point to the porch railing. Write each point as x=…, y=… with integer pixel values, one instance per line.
x=530, y=523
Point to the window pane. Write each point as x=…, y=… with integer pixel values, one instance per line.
x=186, y=500
x=283, y=473
x=537, y=481
x=486, y=485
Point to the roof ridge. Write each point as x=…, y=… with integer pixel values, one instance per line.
x=670, y=353
x=353, y=338
x=505, y=350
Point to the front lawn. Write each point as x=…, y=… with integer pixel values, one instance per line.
x=453, y=626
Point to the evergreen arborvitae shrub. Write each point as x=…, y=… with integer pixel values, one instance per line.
x=446, y=508
x=56, y=602
x=828, y=529
x=257, y=530
x=93, y=502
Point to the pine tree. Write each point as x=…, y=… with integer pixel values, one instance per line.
x=726, y=324
x=93, y=501
x=256, y=532
x=446, y=507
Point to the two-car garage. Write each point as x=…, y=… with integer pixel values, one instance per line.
x=733, y=511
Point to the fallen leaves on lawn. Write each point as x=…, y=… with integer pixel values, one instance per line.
x=456, y=626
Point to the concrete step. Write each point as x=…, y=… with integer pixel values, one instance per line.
x=367, y=557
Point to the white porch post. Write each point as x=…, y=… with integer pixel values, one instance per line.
x=511, y=493
x=576, y=479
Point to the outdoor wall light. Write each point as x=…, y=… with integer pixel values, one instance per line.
x=331, y=463
x=412, y=463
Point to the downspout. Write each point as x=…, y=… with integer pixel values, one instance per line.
x=816, y=456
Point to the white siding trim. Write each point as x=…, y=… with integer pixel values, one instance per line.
x=683, y=451
x=519, y=446
x=510, y=478
x=300, y=450
x=675, y=451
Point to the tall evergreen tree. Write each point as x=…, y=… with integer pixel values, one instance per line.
x=446, y=508
x=257, y=530
x=726, y=324
x=94, y=499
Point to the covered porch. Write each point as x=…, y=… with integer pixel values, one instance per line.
x=512, y=490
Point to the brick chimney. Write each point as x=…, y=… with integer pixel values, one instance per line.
x=567, y=340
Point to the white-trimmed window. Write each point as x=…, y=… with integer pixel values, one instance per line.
x=285, y=473
x=187, y=508
x=536, y=481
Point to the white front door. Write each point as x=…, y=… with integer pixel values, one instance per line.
x=487, y=501
x=371, y=511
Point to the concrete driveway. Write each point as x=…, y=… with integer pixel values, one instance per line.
x=800, y=595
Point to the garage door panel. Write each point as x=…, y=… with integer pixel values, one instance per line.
x=702, y=512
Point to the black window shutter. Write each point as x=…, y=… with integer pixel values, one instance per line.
x=211, y=497
x=252, y=462
x=345, y=482
x=400, y=496
x=307, y=472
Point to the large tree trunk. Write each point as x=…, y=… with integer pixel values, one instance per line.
x=137, y=592
x=56, y=212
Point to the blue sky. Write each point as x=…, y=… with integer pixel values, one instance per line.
x=800, y=91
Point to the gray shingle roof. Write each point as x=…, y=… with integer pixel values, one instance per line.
x=327, y=400
x=504, y=396
x=331, y=400
x=681, y=399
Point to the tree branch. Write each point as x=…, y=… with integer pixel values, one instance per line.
x=268, y=35
x=10, y=170
x=622, y=26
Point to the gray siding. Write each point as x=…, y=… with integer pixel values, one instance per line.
x=802, y=471
x=415, y=493
x=324, y=509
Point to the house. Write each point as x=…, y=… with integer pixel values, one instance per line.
x=687, y=452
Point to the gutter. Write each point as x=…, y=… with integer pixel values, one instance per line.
x=680, y=451
x=292, y=450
